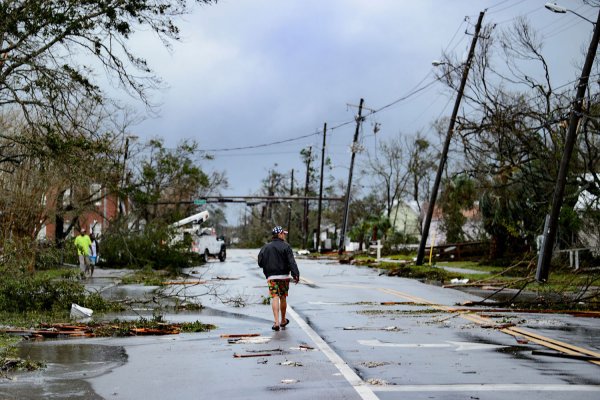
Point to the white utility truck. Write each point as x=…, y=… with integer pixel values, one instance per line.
x=204, y=241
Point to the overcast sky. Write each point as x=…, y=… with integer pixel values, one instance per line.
x=253, y=72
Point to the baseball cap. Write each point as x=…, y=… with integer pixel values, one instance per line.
x=278, y=229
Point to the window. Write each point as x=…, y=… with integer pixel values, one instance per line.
x=96, y=192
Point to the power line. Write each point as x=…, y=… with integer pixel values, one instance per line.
x=517, y=2
x=261, y=145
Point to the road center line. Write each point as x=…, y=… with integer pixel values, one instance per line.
x=363, y=390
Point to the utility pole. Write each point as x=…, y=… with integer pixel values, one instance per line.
x=549, y=235
x=289, y=219
x=321, y=189
x=305, y=219
x=444, y=155
x=347, y=205
x=123, y=177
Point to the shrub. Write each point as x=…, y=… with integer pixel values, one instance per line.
x=149, y=248
x=38, y=293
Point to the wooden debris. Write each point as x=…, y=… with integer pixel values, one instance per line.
x=236, y=355
x=497, y=326
x=154, y=331
x=563, y=355
x=102, y=329
x=239, y=335
x=277, y=350
x=195, y=282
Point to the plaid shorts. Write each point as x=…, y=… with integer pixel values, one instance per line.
x=279, y=287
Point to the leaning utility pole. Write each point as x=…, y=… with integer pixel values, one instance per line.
x=444, y=154
x=550, y=229
x=347, y=204
x=321, y=189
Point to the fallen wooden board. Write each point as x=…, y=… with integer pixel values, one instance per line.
x=234, y=335
x=153, y=331
x=236, y=355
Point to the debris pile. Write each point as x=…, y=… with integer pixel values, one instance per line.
x=107, y=329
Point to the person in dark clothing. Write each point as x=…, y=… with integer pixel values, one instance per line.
x=277, y=262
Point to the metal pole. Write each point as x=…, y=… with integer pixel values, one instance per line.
x=444, y=155
x=561, y=179
x=347, y=205
x=321, y=189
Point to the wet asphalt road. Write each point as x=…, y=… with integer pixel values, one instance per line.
x=342, y=343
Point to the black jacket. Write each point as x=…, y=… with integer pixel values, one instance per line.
x=277, y=258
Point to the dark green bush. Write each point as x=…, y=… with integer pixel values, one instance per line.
x=49, y=291
x=151, y=247
x=38, y=293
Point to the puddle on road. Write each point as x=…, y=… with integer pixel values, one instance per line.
x=73, y=354
x=68, y=365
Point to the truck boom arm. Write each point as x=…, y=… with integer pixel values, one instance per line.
x=196, y=219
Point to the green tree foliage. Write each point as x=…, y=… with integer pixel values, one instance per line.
x=151, y=247
x=43, y=43
x=165, y=182
x=458, y=195
x=48, y=179
x=512, y=137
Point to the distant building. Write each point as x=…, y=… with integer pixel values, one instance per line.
x=106, y=209
x=587, y=202
x=406, y=219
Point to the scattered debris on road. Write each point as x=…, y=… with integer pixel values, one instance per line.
x=107, y=329
x=291, y=363
x=371, y=328
x=374, y=364
x=250, y=340
x=377, y=382
x=239, y=335
x=236, y=355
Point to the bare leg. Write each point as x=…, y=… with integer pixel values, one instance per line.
x=275, y=304
x=283, y=308
x=82, y=265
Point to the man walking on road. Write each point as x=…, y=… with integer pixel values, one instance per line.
x=277, y=261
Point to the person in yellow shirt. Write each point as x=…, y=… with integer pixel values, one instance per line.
x=83, y=243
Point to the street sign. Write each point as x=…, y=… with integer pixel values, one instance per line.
x=200, y=202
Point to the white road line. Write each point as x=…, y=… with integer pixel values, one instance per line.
x=484, y=387
x=363, y=390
